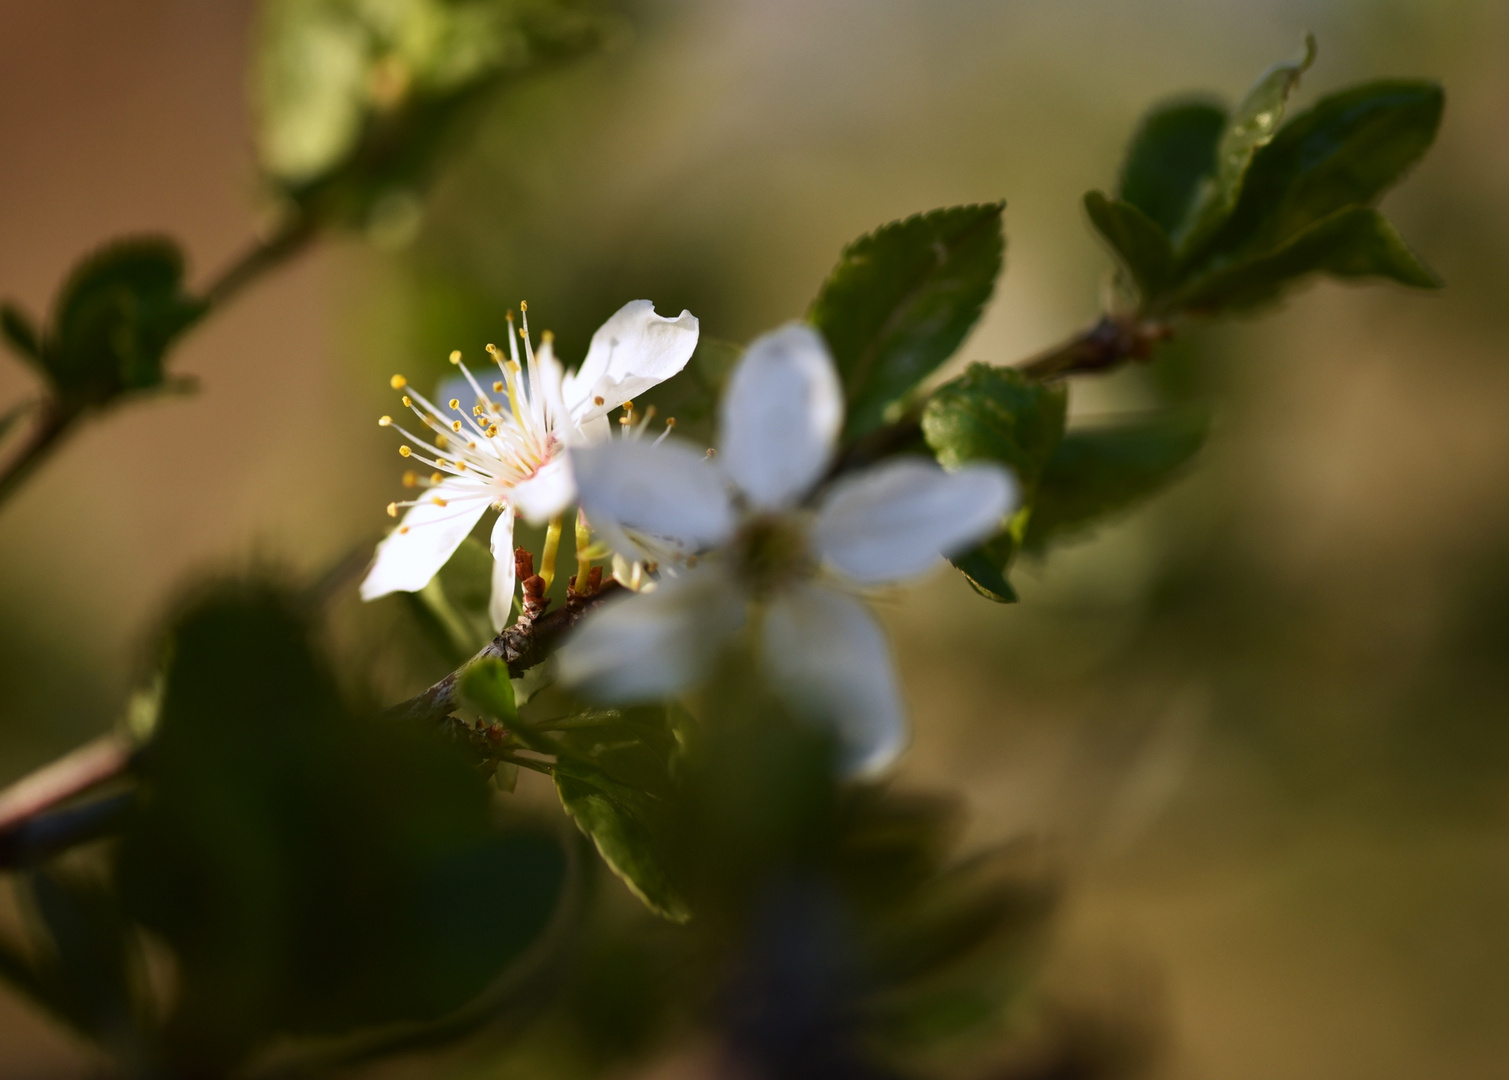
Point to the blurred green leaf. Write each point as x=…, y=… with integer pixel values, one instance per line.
x=1357, y=242
x=1173, y=151
x=313, y=868
x=1099, y=470
x=356, y=99
x=487, y=689
x=114, y=319
x=1140, y=244
x=902, y=299
x=1252, y=124
x=1344, y=151
x=1000, y=415
x=21, y=334
x=91, y=967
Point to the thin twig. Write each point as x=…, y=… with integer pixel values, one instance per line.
x=289, y=239
x=91, y=765
x=44, y=439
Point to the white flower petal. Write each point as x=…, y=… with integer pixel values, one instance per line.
x=781, y=415
x=545, y=494
x=833, y=667
x=631, y=352
x=667, y=491
x=896, y=520
x=500, y=606
x=650, y=645
x=424, y=540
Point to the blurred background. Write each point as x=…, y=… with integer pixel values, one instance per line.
x=1264, y=721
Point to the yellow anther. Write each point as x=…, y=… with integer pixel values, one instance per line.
x=398, y=382
x=437, y=500
x=441, y=440
x=461, y=466
x=404, y=451
x=547, y=337
x=454, y=403
x=393, y=509
x=410, y=479
x=670, y=421
x=403, y=529
x=498, y=386
x=493, y=350
x=455, y=356
x=476, y=410
x=436, y=477
x=524, y=333
x=523, y=306
x=384, y=421
x=408, y=402
x=441, y=461
x=492, y=431
x=597, y=401
x=456, y=426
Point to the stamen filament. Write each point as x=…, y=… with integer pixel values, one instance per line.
x=552, y=547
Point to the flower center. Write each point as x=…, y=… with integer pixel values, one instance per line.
x=769, y=551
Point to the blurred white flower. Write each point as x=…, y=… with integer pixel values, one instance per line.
x=509, y=452
x=742, y=529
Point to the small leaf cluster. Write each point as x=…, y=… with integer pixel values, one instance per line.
x=357, y=100
x=112, y=324
x=1223, y=212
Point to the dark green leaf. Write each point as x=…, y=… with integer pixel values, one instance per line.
x=487, y=689
x=115, y=318
x=1173, y=151
x=902, y=299
x=996, y=414
x=984, y=568
x=21, y=333
x=92, y=962
x=1144, y=250
x=1357, y=242
x=312, y=868
x=1251, y=125
x=626, y=840
x=1345, y=151
x=1097, y=471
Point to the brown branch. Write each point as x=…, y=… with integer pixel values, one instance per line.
x=1112, y=340
x=529, y=641
x=92, y=764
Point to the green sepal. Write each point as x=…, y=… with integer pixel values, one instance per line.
x=1101, y=469
x=901, y=300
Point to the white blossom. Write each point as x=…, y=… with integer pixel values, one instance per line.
x=751, y=531
x=506, y=448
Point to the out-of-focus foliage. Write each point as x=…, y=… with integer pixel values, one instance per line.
x=356, y=99
x=311, y=869
x=112, y=324
x=1212, y=218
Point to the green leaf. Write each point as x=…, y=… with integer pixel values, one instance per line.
x=1000, y=415
x=1251, y=125
x=114, y=319
x=1345, y=151
x=616, y=777
x=1143, y=248
x=1173, y=151
x=983, y=567
x=21, y=333
x=1358, y=242
x=1099, y=470
x=91, y=967
x=902, y=299
x=312, y=868
x=487, y=689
